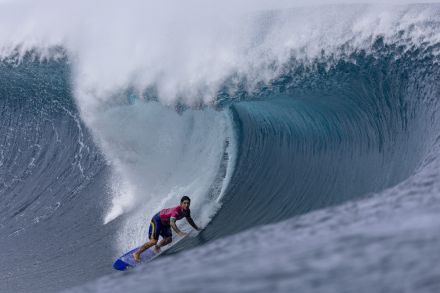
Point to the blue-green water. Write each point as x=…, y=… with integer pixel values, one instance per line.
x=326, y=178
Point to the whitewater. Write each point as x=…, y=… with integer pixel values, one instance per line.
x=307, y=135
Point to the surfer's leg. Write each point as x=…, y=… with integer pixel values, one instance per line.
x=153, y=234
x=167, y=236
x=163, y=242
x=137, y=254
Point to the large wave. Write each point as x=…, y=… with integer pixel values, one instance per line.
x=258, y=115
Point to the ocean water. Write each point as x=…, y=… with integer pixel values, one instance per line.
x=306, y=135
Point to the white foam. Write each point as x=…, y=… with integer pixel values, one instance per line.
x=187, y=49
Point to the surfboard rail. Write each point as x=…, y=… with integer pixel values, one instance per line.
x=127, y=260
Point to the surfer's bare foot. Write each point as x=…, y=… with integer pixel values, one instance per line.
x=156, y=249
x=137, y=257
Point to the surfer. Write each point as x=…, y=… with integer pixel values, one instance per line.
x=161, y=224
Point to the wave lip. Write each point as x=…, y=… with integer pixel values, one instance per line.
x=209, y=49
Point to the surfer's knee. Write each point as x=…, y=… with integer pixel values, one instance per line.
x=153, y=241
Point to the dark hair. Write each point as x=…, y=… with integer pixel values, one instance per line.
x=185, y=198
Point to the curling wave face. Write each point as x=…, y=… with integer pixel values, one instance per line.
x=364, y=125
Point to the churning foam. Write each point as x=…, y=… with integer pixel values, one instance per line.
x=187, y=49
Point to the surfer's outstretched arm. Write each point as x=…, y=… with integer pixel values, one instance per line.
x=191, y=222
x=176, y=229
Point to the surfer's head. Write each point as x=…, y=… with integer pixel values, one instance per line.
x=185, y=202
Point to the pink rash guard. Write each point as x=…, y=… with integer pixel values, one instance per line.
x=177, y=213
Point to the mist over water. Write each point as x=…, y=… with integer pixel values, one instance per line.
x=319, y=114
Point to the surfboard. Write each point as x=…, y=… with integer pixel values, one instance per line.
x=127, y=260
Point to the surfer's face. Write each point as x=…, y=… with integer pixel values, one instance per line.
x=185, y=204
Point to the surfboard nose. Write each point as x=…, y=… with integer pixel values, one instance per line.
x=120, y=265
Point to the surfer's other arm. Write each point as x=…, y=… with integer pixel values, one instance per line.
x=191, y=222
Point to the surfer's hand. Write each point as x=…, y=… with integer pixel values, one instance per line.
x=182, y=234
